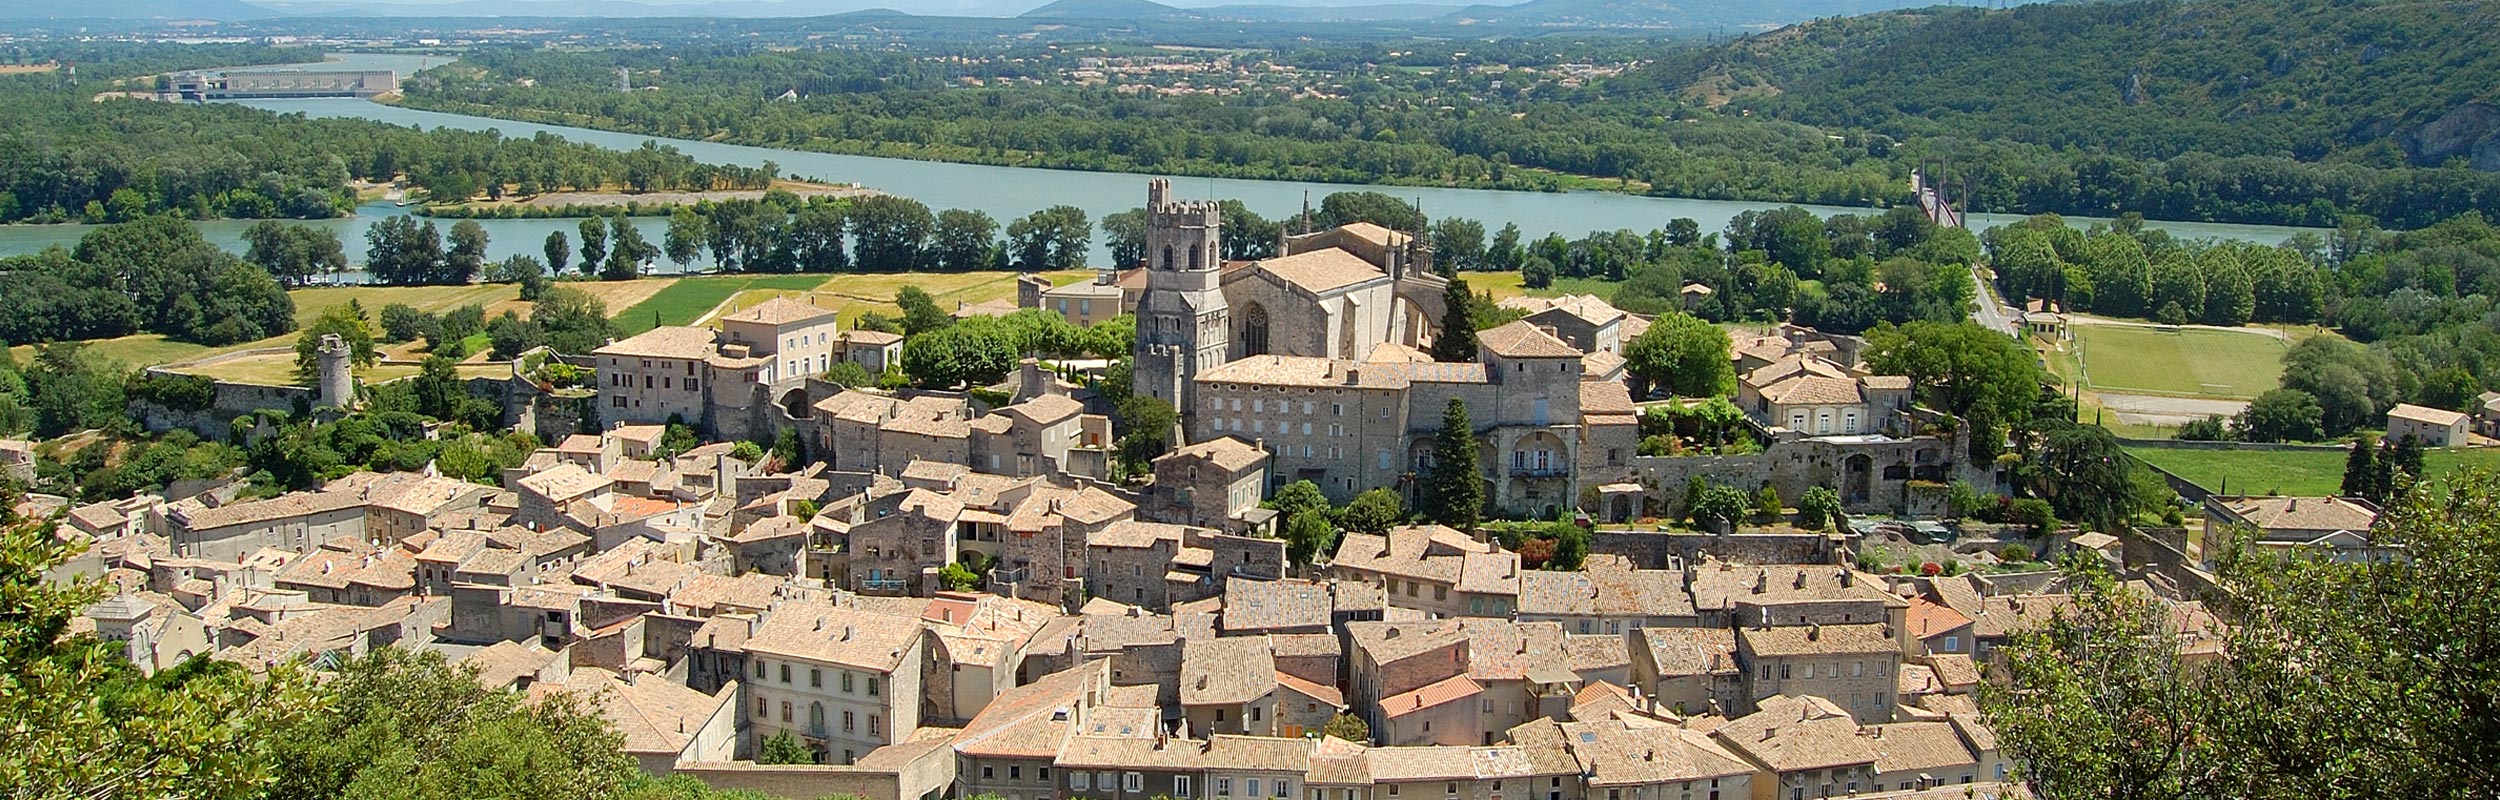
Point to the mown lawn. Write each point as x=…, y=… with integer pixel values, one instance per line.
x=2290, y=472
x=2189, y=362
x=688, y=299
x=1505, y=285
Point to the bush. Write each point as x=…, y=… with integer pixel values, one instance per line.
x=2015, y=553
x=2033, y=512
x=1818, y=508
x=2209, y=429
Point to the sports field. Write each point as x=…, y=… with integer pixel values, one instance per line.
x=2186, y=362
x=2290, y=472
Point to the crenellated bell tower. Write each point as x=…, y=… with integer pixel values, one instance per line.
x=1181, y=320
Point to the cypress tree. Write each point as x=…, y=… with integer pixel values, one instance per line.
x=2361, y=472
x=1457, y=342
x=1453, y=489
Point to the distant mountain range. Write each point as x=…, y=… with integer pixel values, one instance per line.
x=1687, y=14
x=133, y=9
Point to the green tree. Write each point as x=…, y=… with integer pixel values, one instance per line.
x=1766, y=505
x=466, y=256
x=1453, y=487
x=1721, y=507
x=1457, y=245
x=1125, y=234
x=1456, y=341
x=1373, y=511
x=348, y=322
x=1053, y=238
x=1682, y=355
x=2282, y=415
x=1297, y=497
x=410, y=721
x=957, y=577
x=1961, y=368
x=594, y=232
x=920, y=311
x=849, y=374
x=571, y=321
x=1819, y=508
x=783, y=748
x=889, y=232
x=1349, y=727
x=962, y=240
x=687, y=231
x=1146, y=424
x=558, y=250
x=1309, y=535
x=2362, y=474
x=628, y=252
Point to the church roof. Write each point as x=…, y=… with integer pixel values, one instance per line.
x=1374, y=234
x=1323, y=270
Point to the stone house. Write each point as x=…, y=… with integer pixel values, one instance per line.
x=797, y=337
x=664, y=723
x=1432, y=569
x=1688, y=670
x=2338, y=525
x=1586, y=321
x=1802, y=747
x=1859, y=665
x=1218, y=483
x=1607, y=595
x=844, y=681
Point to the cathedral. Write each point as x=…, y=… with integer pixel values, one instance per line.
x=1341, y=294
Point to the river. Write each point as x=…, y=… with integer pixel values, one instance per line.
x=1006, y=193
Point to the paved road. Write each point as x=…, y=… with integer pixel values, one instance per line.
x=1991, y=312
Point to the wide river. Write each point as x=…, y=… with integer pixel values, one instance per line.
x=1006, y=193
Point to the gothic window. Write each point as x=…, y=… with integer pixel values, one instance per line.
x=1254, y=330
x=1167, y=256
x=1197, y=256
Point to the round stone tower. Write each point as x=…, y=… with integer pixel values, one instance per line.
x=338, y=374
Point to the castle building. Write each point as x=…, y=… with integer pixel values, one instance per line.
x=1182, y=324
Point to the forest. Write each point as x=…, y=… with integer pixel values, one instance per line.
x=2223, y=122
x=65, y=157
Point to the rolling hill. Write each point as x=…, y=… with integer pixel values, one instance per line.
x=2381, y=83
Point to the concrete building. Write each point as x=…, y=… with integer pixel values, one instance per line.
x=2429, y=427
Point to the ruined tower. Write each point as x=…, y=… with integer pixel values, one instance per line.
x=335, y=360
x=1181, y=321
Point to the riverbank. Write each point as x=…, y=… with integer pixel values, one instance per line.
x=610, y=202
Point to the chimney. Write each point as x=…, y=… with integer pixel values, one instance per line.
x=1847, y=578
x=846, y=632
x=1801, y=578
x=1814, y=632
x=1761, y=581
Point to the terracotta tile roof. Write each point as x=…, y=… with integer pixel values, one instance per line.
x=563, y=482
x=503, y=663
x=1679, y=652
x=1606, y=397
x=348, y=561
x=1130, y=749
x=1620, y=753
x=1375, y=233
x=666, y=341
x=294, y=504
x=1519, y=339
x=1928, y=618
x=1598, y=365
x=1720, y=586
x=657, y=716
x=1588, y=308
x=1337, y=762
x=1396, y=353
x=1794, y=734
x=1045, y=409
x=2301, y=513
x=1919, y=747
x=1228, y=453
x=1033, y=720
x=779, y=311
x=1448, y=690
x=1326, y=695
x=870, y=338
x=1257, y=753
x=1814, y=390
x=1606, y=586
x=1816, y=640
x=826, y=634
x=1955, y=670
x=1596, y=652
x=715, y=594
x=1226, y=671
x=1321, y=271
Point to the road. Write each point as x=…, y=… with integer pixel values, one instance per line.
x=1992, y=313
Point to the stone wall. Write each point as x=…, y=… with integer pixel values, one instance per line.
x=1660, y=550
x=798, y=781
x=1873, y=474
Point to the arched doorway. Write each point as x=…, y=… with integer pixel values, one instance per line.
x=1254, y=330
x=796, y=402
x=1857, y=479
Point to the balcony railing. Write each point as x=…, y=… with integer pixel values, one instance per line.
x=1003, y=576
x=1545, y=471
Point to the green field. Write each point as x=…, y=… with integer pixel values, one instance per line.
x=1505, y=285
x=686, y=300
x=2289, y=472
x=2186, y=362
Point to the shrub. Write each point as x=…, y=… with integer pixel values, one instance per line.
x=2015, y=553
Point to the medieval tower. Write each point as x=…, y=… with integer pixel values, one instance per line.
x=1182, y=327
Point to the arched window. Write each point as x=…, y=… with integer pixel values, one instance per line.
x=1167, y=256
x=1254, y=330
x=816, y=718
x=1197, y=259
